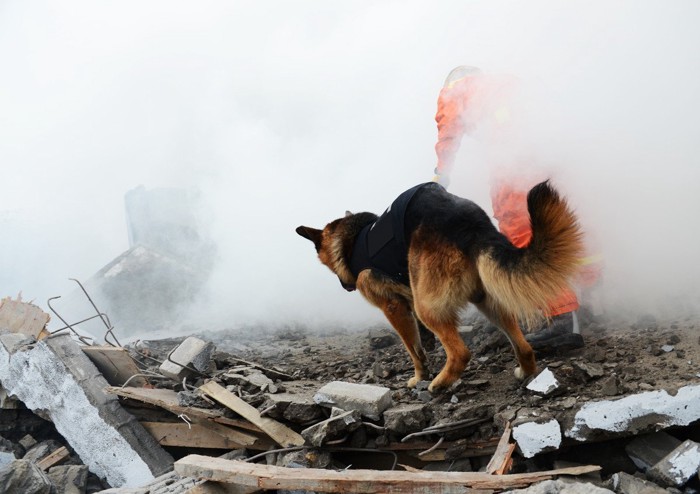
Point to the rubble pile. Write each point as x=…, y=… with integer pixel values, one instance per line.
x=291, y=411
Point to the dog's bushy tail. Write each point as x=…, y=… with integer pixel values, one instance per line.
x=522, y=282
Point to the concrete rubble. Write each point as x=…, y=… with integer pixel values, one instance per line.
x=63, y=428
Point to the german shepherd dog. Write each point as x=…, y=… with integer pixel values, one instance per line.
x=453, y=255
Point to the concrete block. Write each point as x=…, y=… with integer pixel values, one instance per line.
x=370, y=401
x=192, y=352
x=339, y=424
x=635, y=414
x=625, y=483
x=298, y=408
x=406, y=418
x=55, y=376
x=69, y=479
x=676, y=468
x=646, y=451
x=25, y=477
x=545, y=383
x=6, y=457
x=537, y=436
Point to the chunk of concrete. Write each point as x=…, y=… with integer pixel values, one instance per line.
x=635, y=414
x=370, y=401
x=298, y=408
x=545, y=383
x=56, y=377
x=69, y=479
x=647, y=450
x=537, y=436
x=25, y=477
x=406, y=418
x=193, y=353
x=676, y=468
x=625, y=483
x=340, y=423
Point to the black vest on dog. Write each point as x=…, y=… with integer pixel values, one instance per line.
x=383, y=245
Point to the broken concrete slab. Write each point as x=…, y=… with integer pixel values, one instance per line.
x=55, y=376
x=370, y=401
x=536, y=436
x=69, y=479
x=635, y=414
x=339, y=424
x=298, y=408
x=406, y=418
x=25, y=477
x=545, y=383
x=625, y=483
x=193, y=353
x=647, y=450
x=677, y=468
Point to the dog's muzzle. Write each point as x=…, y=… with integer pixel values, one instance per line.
x=348, y=286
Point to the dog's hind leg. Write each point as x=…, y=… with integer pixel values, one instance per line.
x=509, y=325
x=458, y=355
x=400, y=315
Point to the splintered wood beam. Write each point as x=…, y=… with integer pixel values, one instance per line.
x=268, y=477
x=61, y=454
x=185, y=435
x=501, y=459
x=115, y=364
x=281, y=434
x=23, y=317
x=167, y=399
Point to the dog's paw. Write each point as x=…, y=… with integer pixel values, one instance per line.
x=519, y=373
x=413, y=382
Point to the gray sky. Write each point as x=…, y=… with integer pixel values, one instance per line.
x=289, y=113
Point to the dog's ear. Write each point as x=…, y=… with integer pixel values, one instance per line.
x=348, y=213
x=312, y=234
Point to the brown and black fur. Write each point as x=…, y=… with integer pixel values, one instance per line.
x=456, y=257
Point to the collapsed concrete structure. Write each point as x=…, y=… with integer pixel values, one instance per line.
x=55, y=378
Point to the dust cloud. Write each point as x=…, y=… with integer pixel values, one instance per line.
x=285, y=114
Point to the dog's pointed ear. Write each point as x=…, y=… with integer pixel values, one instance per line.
x=348, y=213
x=312, y=234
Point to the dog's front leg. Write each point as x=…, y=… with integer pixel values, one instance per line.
x=400, y=315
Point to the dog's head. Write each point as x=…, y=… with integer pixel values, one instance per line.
x=334, y=243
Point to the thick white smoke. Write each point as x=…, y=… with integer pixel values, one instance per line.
x=290, y=113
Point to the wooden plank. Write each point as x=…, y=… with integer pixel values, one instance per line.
x=167, y=399
x=501, y=458
x=281, y=434
x=115, y=364
x=22, y=317
x=61, y=454
x=164, y=398
x=359, y=481
x=193, y=436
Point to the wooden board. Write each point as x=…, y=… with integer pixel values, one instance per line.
x=359, y=481
x=167, y=399
x=164, y=398
x=501, y=458
x=61, y=454
x=115, y=364
x=22, y=317
x=193, y=436
x=281, y=434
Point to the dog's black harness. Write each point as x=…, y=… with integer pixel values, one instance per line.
x=383, y=245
